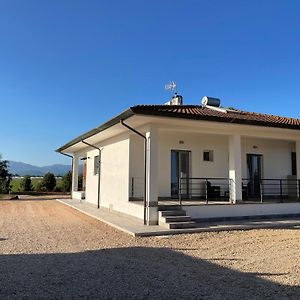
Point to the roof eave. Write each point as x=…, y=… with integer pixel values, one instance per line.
x=124, y=115
x=215, y=119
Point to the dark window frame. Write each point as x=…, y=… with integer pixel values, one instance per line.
x=294, y=163
x=208, y=155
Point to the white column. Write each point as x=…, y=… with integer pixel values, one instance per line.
x=152, y=176
x=235, y=167
x=75, y=174
x=297, y=148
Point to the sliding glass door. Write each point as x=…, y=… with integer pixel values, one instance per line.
x=180, y=169
x=254, y=170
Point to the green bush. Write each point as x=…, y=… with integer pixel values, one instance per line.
x=25, y=184
x=5, y=177
x=39, y=187
x=67, y=182
x=49, y=181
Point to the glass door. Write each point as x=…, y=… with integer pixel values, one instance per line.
x=254, y=172
x=180, y=169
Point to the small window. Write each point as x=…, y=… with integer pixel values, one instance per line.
x=96, y=165
x=208, y=155
x=294, y=164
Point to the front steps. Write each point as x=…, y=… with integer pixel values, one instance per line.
x=175, y=218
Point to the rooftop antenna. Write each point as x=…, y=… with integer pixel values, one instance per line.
x=172, y=86
x=176, y=99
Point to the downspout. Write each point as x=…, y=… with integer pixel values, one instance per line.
x=71, y=167
x=99, y=160
x=145, y=165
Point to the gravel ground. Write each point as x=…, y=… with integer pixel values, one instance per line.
x=49, y=250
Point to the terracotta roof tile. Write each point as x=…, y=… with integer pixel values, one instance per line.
x=232, y=116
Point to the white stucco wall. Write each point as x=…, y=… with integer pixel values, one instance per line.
x=136, y=166
x=114, y=177
x=276, y=157
x=241, y=210
x=196, y=143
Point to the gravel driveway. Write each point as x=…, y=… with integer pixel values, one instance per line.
x=48, y=250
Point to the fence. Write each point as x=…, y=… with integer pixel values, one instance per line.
x=268, y=189
x=208, y=189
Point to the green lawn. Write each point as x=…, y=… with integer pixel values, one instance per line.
x=15, y=183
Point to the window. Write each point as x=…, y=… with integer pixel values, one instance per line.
x=294, y=163
x=208, y=155
x=96, y=165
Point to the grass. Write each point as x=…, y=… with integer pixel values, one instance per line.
x=15, y=183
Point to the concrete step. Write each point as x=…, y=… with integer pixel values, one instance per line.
x=169, y=207
x=165, y=213
x=180, y=225
x=171, y=219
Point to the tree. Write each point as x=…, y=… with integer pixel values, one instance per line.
x=5, y=176
x=67, y=182
x=25, y=184
x=49, y=181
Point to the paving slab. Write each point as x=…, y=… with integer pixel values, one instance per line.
x=135, y=227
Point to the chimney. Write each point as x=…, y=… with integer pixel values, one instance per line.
x=176, y=100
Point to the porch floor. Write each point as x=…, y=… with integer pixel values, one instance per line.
x=196, y=202
x=136, y=227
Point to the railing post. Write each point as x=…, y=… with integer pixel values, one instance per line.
x=261, y=191
x=179, y=191
x=280, y=182
x=298, y=189
x=230, y=190
x=206, y=190
x=132, y=187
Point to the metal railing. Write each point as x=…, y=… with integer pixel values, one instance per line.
x=207, y=189
x=271, y=189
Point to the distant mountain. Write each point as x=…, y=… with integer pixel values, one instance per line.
x=22, y=169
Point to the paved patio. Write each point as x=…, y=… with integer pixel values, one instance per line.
x=135, y=227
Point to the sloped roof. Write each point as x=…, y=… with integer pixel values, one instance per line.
x=203, y=113
x=194, y=112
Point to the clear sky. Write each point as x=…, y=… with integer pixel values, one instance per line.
x=68, y=66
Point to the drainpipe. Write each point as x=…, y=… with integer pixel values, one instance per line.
x=71, y=167
x=145, y=164
x=99, y=160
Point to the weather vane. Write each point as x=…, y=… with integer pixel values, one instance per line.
x=172, y=86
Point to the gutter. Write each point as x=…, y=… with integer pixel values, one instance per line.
x=99, y=160
x=145, y=164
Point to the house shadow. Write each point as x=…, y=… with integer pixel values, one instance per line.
x=126, y=273
x=28, y=200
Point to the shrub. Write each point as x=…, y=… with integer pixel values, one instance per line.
x=49, y=182
x=67, y=182
x=25, y=184
x=58, y=189
x=5, y=177
x=39, y=187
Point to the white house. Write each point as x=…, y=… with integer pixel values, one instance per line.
x=210, y=161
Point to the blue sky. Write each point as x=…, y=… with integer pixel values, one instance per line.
x=68, y=66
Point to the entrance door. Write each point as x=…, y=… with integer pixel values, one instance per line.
x=254, y=172
x=180, y=168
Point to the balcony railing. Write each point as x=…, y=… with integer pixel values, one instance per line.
x=266, y=190
x=207, y=189
x=210, y=189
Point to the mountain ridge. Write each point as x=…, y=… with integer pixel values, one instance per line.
x=21, y=169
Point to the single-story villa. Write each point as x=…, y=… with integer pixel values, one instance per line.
x=205, y=160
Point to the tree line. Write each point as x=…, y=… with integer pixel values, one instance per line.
x=47, y=184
